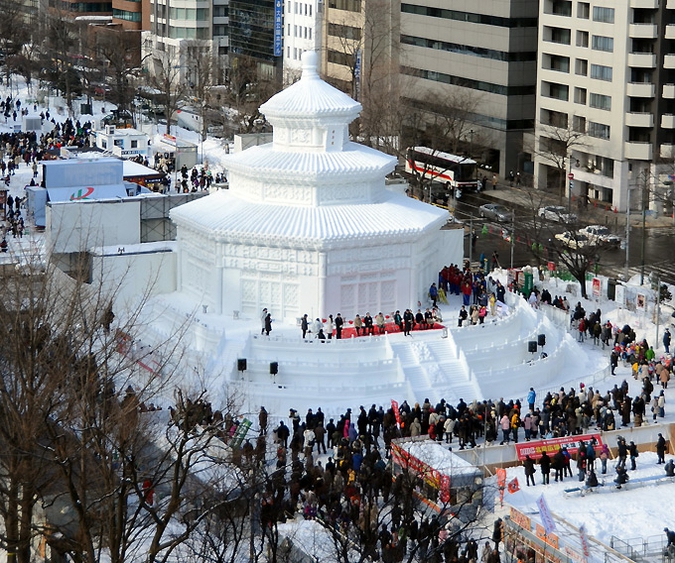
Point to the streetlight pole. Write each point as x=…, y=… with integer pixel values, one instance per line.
x=625, y=275
x=513, y=235
x=642, y=246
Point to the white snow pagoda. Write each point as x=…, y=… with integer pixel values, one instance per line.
x=307, y=225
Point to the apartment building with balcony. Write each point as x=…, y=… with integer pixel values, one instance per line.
x=606, y=98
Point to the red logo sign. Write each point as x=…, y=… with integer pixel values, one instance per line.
x=82, y=193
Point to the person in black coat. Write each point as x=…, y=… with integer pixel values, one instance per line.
x=528, y=463
x=661, y=449
x=497, y=532
x=558, y=464
x=338, y=326
x=545, y=467
x=621, y=476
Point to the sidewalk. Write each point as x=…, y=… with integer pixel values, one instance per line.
x=526, y=197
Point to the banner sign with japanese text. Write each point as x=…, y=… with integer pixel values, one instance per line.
x=551, y=446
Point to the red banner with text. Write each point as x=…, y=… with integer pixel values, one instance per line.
x=535, y=448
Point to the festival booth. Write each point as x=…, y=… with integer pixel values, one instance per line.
x=447, y=484
x=548, y=538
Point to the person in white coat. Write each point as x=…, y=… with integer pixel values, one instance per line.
x=329, y=327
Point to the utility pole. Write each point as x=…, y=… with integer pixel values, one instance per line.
x=644, y=238
x=627, y=236
x=471, y=240
x=658, y=307
x=513, y=235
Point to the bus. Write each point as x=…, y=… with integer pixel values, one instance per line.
x=457, y=173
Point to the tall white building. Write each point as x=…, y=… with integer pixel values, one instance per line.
x=606, y=99
x=302, y=32
x=182, y=33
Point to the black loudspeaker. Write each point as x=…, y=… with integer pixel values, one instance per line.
x=274, y=367
x=531, y=346
x=241, y=364
x=541, y=339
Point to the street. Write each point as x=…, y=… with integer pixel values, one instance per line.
x=659, y=241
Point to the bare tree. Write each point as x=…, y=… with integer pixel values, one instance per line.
x=14, y=34
x=554, y=145
x=61, y=39
x=166, y=77
x=118, y=53
x=246, y=91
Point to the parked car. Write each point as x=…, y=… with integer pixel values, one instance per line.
x=496, y=212
x=557, y=213
x=599, y=235
x=573, y=240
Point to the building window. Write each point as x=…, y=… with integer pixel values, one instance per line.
x=554, y=118
x=347, y=5
x=579, y=124
x=600, y=101
x=556, y=91
x=310, y=32
x=580, y=96
x=581, y=67
x=601, y=72
x=562, y=8
x=134, y=144
x=289, y=29
x=582, y=38
x=601, y=43
x=310, y=10
x=557, y=35
x=604, y=15
x=344, y=31
x=598, y=130
x=559, y=63
x=583, y=10
x=288, y=52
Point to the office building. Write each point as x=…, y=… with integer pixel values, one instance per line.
x=473, y=67
x=606, y=100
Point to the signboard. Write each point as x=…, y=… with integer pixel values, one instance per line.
x=620, y=295
x=426, y=472
x=278, y=28
x=535, y=448
x=240, y=433
x=520, y=519
x=550, y=539
x=397, y=413
x=596, y=285
x=640, y=302
x=570, y=176
x=551, y=266
x=169, y=139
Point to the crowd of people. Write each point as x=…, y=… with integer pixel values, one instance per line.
x=344, y=490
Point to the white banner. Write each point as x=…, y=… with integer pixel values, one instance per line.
x=546, y=516
x=584, y=541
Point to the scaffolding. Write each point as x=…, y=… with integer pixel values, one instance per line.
x=155, y=223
